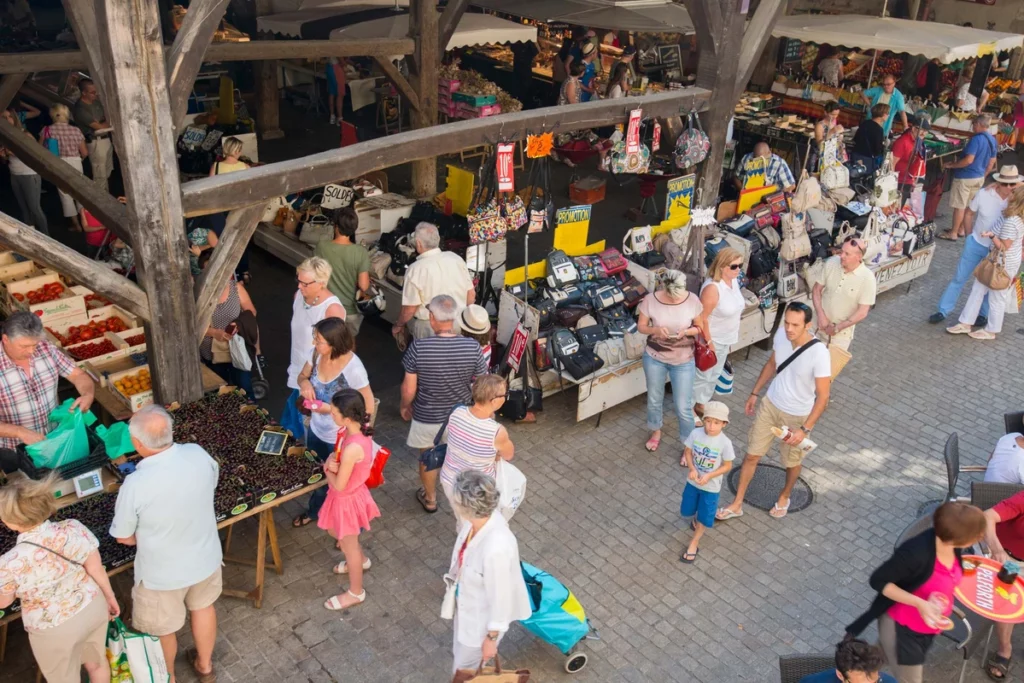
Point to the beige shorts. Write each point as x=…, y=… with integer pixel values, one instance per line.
x=161, y=613
x=353, y=321
x=421, y=435
x=760, y=438
x=962, y=191
x=60, y=651
x=842, y=342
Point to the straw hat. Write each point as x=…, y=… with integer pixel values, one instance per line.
x=1008, y=175
x=587, y=49
x=475, y=320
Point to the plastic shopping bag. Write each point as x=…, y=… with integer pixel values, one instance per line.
x=512, y=487
x=239, y=354
x=116, y=439
x=134, y=657
x=67, y=442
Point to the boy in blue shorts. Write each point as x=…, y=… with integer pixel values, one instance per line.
x=709, y=455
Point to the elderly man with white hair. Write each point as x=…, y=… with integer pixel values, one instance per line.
x=434, y=272
x=439, y=372
x=165, y=509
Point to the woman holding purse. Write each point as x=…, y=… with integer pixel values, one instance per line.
x=723, y=304
x=1006, y=238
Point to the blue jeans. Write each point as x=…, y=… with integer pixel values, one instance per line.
x=973, y=254
x=323, y=451
x=291, y=418
x=681, y=377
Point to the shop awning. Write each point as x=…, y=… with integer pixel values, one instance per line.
x=473, y=29
x=652, y=16
x=948, y=42
x=316, y=21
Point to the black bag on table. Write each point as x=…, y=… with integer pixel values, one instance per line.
x=821, y=244
x=844, y=214
x=649, y=259
x=568, y=316
x=580, y=364
x=590, y=335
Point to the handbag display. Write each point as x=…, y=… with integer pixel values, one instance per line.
x=808, y=194
x=703, y=357
x=579, y=364
x=611, y=351
x=877, y=247
x=606, y=296
x=636, y=343
x=649, y=260
x=692, y=145
x=741, y=225
x=592, y=334
x=561, y=270
x=613, y=261
x=637, y=241
x=991, y=272
x=491, y=674
x=886, y=192
x=486, y=224
x=620, y=161
x=379, y=262
x=618, y=321
x=513, y=210
x=633, y=292
x=777, y=202
x=835, y=177
x=569, y=316
x=316, y=228
x=795, y=241
x=564, y=296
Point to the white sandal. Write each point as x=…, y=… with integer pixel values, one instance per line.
x=334, y=604
x=342, y=567
x=782, y=509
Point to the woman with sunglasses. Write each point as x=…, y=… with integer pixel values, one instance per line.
x=723, y=304
x=312, y=303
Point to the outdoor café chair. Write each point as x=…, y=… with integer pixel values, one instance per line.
x=953, y=470
x=986, y=494
x=794, y=667
x=913, y=529
x=1014, y=422
x=966, y=633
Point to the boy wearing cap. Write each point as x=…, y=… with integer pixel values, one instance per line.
x=709, y=455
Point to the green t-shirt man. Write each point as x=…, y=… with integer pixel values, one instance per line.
x=348, y=262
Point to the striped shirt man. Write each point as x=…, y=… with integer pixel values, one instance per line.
x=444, y=369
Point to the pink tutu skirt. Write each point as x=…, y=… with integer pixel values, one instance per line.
x=347, y=514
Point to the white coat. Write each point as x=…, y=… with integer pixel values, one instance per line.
x=492, y=593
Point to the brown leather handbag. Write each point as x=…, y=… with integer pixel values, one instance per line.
x=491, y=674
x=991, y=272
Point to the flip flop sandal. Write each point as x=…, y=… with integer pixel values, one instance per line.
x=302, y=520
x=946, y=236
x=334, y=604
x=1000, y=664
x=652, y=444
x=689, y=558
x=209, y=677
x=342, y=567
x=421, y=496
x=725, y=513
x=783, y=511
x=693, y=525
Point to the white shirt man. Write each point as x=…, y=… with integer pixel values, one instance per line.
x=1006, y=465
x=845, y=295
x=434, y=272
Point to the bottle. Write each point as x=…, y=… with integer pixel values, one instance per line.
x=806, y=445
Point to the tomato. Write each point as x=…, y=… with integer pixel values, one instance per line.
x=39, y=313
x=19, y=297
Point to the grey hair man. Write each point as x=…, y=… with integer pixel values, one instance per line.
x=166, y=509
x=439, y=372
x=969, y=171
x=30, y=367
x=433, y=272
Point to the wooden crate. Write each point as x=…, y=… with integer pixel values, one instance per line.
x=68, y=305
x=104, y=312
x=589, y=190
x=136, y=402
x=120, y=349
x=101, y=370
x=17, y=270
x=138, y=348
x=62, y=326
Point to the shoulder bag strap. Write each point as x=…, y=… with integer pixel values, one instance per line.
x=66, y=559
x=796, y=354
x=444, y=425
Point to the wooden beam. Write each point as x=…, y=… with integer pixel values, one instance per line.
x=449, y=21
x=9, y=87
x=139, y=107
x=256, y=50
x=242, y=188
x=186, y=54
x=423, y=29
x=755, y=37
x=105, y=207
x=702, y=13
x=82, y=14
x=39, y=94
x=238, y=230
x=99, y=278
x=396, y=77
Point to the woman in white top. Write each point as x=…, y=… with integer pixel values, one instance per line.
x=490, y=592
x=723, y=305
x=1006, y=237
x=25, y=183
x=312, y=303
x=618, y=84
x=475, y=440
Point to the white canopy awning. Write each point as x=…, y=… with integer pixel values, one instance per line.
x=316, y=21
x=652, y=16
x=473, y=29
x=948, y=42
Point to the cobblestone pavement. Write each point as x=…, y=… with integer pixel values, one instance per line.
x=601, y=514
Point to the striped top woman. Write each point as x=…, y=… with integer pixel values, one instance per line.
x=475, y=439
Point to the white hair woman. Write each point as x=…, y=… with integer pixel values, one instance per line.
x=55, y=570
x=490, y=592
x=671, y=317
x=68, y=143
x=723, y=303
x=311, y=304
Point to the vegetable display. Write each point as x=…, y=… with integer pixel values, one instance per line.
x=92, y=350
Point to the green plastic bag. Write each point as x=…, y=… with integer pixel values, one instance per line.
x=116, y=439
x=66, y=443
x=134, y=657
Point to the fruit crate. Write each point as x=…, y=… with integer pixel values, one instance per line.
x=134, y=332
x=112, y=311
x=475, y=100
x=67, y=305
x=448, y=85
x=100, y=371
x=97, y=458
x=120, y=349
x=137, y=401
x=15, y=270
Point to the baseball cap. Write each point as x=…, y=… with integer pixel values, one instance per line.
x=717, y=410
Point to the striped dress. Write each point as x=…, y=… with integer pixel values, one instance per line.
x=470, y=446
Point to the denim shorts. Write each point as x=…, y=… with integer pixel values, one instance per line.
x=700, y=503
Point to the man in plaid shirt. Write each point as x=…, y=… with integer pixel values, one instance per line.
x=29, y=369
x=778, y=172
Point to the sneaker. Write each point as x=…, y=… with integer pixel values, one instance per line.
x=334, y=120
x=982, y=335
x=959, y=328
x=936, y=318
x=980, y=321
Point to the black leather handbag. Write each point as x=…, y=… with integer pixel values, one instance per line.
x=590, y=335
x=580, y=364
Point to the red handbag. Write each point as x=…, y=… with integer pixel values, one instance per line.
x=703, y=356
x=380, y=458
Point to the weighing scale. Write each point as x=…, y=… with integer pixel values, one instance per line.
x=89, y=483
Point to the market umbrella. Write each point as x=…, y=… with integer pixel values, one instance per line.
x=473, y=29
x=652, y=16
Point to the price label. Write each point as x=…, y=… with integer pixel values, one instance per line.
x=337, y=196
x=193, y=136
x=633, y=132
x=517, y=346
x=505, y=171
x=656, y=142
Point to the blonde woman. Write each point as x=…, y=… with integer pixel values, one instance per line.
x=723, y=303
x=672, y=317
x=231, y=150
x=69, y=144
x=1007, y=237
x=55, y=570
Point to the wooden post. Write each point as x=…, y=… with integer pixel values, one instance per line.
x=423, y=22
x=140, y=110
x=9, y=87
x=449, y=21
x=186, y=54
x=83, y=16
x=268, y=97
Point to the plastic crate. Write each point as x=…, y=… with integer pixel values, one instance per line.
x=97, y=458
x=475, y=100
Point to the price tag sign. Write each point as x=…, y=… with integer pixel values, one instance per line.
x=517, y=346
x=656, y=142
x=337, y=196
x=633, y=132
x=193, y=136
x=505, y=171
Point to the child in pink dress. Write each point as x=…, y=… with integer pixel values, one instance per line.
x=349, y=506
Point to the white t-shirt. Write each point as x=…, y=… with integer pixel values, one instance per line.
x=724, y=321
x=353, y=376
x=792, y=391
x=709, y=452
x=18, y=166
x=988, y=208
x=303, y=319
x=1006, y=466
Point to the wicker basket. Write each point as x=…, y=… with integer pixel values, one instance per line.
x=840, y=357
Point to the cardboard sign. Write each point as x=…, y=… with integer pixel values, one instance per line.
x=633, y=132
x=211, y=140
x=505, y=170
x=337, y=196
x=193, y=137
x=679, y=199
x=755, y=173
x=517, y=346
x=656, y=141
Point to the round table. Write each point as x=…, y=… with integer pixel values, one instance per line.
x=984, y=594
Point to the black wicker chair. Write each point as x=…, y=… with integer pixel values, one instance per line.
x=986, y=494
x=1014, y=422
x=951, y=453
x=792, y=668
x=970, y=633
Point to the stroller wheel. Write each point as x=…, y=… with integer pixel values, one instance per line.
x=260, y=389
x=576, y=662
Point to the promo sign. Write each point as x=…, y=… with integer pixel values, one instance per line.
x=633, y=132
x=656, y=142
x=679, y=199
x=337, y=196
x=505, y=170
x=517, y=346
